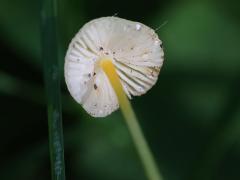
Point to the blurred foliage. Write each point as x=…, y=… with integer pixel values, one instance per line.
x=191, y=117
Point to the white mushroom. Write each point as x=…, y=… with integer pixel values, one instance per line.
x=134, y=49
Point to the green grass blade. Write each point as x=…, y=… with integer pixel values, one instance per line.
x=52, y=86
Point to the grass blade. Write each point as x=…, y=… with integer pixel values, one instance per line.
x=52, y=86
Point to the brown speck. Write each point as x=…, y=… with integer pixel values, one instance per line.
x=94, y=74
x=131, y=48
x=152, y=74
x=89, y=75
x=101, y=48
x=106, y=53
x=114, y=52
x=95, y=86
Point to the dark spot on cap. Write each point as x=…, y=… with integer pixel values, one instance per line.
x=131, y=48
x=152, y=74
x=101, y=48
x=94, y=74
x=95, y=86
x=114, y=52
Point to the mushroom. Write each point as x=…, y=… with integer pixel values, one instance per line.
x=132, y=47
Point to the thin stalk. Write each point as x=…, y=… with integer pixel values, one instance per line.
x=142, y=147
x=52, y=86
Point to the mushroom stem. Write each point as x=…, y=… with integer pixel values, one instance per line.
x=142, y=147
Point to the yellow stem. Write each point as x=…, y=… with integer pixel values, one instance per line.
x=145, y=154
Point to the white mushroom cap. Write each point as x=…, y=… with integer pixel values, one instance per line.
x=134, y=49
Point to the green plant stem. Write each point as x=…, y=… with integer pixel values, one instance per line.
x=52, y=86
x=140, y=142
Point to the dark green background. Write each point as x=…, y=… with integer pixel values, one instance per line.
x=191, y=118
